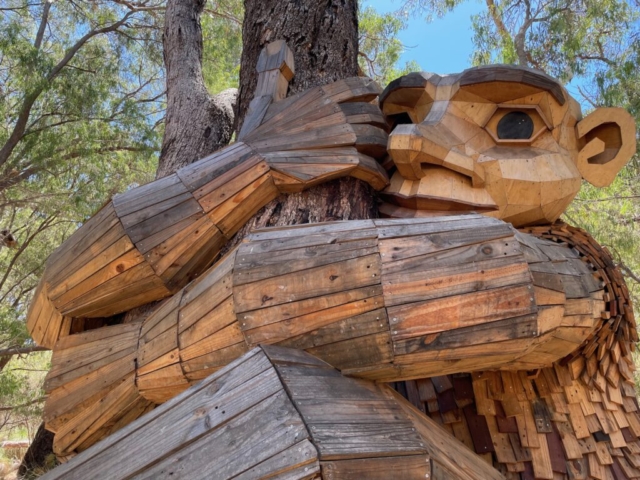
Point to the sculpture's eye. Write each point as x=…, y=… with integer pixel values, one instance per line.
x=516, y=125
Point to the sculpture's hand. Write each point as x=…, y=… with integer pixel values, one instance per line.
x=324, y=133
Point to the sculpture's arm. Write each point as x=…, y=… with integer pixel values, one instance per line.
x=388, y=299
x=152, y=240
x=378, y=299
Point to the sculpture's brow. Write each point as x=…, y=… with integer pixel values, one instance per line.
x=512, y=73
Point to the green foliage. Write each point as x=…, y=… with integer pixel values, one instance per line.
x=80, y=101
x=21, y=395
x=428, y=8
x=222, y=35
x=565, y=38
x=379, y=47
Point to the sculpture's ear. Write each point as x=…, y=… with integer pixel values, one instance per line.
x=610, y=135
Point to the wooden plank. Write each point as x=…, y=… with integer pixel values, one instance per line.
x=169, y=358
x=325, y=326
x=168, y=257
x=220, y=189
x=114, y=339
x=232, y=214
x=357, y=352
x=483, y=334
x=163, y=220
x=208, y=281
x=353, y=326
x=299, y=232
x=440, y=445
x=73, y=393
x=140, y=282
x=298, y=461
x=168, y=376
x=126, y=452
x=144, y=212
x=254, y=267
x=454, y=280
x=492, y=249
x=114, y=257
x=448, y=313
x=164, y=343
x=353, y=440
x=293, y=238
x=225, y=337
x=97, y=234
x=215, y=320
x=58, y=379
x=146, y=195
x=161, y=319
x=113, y=269
x=204, y=365
x=195, y=308
x=88, y=421
x=148, y=243
x=324, y=305
x=315, y=282
x=279, y=356
x=431, y=225
x=214, y=166
x=406, y=467
x=259, y=434
x=541, y=460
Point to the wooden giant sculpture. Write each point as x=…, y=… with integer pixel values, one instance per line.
x=518, y=342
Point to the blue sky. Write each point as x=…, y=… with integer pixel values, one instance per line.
x=442, y=46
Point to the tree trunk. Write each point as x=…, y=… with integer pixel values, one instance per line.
x=196, y=123
x=39, y=456
x=323, y=36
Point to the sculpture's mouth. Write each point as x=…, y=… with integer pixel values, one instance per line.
x=439, y=190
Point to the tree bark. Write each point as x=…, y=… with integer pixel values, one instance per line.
x=323, y=36
x=39, y=456
x=196, y=123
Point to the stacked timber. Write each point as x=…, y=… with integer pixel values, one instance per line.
x=291, y=416
x=91, y=387
x=151, y=241
x=576, y=418
x=542, y=424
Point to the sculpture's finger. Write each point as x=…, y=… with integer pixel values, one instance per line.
x=354, y=89
x=365, y=113
x=370, y=140
x=371, y=171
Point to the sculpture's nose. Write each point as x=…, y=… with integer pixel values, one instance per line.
x=431, y=143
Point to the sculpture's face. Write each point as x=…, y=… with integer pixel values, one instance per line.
x=503, y=140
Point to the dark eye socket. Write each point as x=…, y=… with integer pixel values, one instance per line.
x=401, y=119
x=515, y=125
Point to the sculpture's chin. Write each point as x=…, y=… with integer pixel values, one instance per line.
x=439, y=190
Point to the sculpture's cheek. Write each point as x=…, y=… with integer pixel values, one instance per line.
x=532, y=190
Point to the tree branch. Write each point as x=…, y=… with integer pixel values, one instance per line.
x=11, y=351
x=43, y=25
x=30, y=98
x=32, y=402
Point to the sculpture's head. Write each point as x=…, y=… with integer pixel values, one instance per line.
x=504, y=140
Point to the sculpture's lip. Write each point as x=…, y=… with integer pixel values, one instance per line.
x=441, y=189
x=436, y=203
